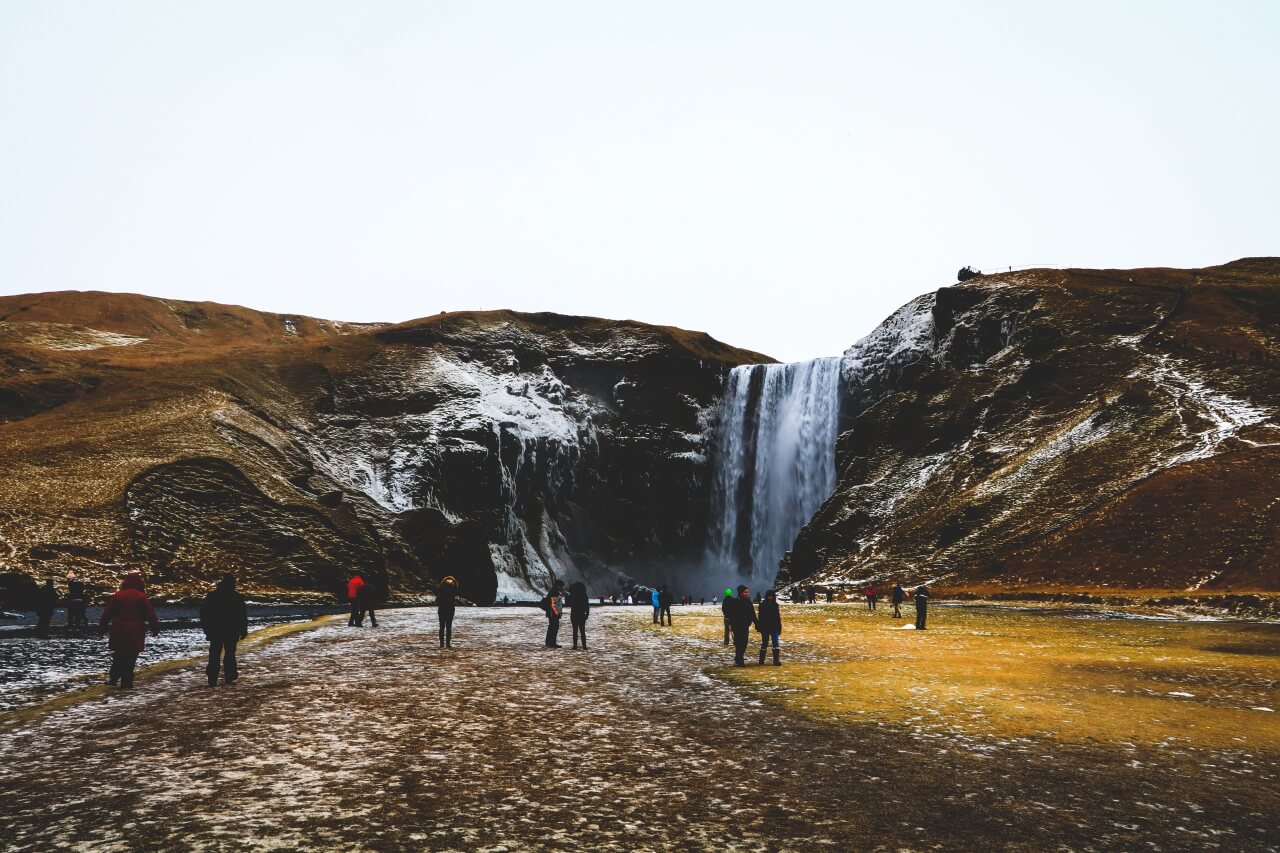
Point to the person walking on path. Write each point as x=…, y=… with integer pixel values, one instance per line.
x=871, y=596
x=76, y=618
x=921, y=597
x=553, y=605
x=579, y=609
x=46, y=601
x=655, y=598
x=365, y=605
x=446, y=602
x=725, y=607
x=128, y=612
x=224, y=618
x=742, y=615
x=353, y=594
x=664, y=605
x=899, y=596
x=770, y=626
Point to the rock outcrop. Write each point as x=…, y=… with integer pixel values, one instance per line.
x=1063, y=429
x=506, y=449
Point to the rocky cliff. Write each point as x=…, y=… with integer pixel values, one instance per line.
x=1063, y=429
x=189, y=439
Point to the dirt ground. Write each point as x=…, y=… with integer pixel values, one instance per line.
x=345, y=738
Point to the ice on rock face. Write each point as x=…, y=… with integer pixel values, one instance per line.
x=870, y=367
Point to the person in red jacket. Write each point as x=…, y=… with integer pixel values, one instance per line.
x=128, y=612
x=353, y=593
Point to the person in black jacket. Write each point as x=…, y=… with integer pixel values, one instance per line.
x=579, y=608
x=770, y=627
x=742, y=615
x=224, y=618
x=46, y=601
x=365, y=604
x=553, y=605
x=446, y=602
x=76, y=618
x=922, y=606
x=665, y=600
x=899, y=595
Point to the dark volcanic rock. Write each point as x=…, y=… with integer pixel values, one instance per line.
x=190, y=439
x=1063, y=429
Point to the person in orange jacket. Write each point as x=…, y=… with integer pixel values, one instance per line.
x=128, y=613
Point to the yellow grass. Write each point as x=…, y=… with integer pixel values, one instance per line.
x=1011, y=674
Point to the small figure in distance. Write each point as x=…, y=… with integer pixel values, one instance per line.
x=655, y=598
x=921, y=597
x=76, y=618
x=831, y=595
x=870, y=592
x=553, y=606
x=353, y=593
x=770, y=626
x=128, y=612
x=725, y=607
x=365, y=605
x=742, y=615
x=967, y=273
x=579, y=609
x=899, y=595
x=446, y=603
x=46, y=601
x=664, y=605
x=224, y=618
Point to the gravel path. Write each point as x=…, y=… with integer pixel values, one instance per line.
x=342, y=738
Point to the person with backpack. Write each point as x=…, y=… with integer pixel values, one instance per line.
x=725, y=607
x=770, y=626
x=224, y=618
x=579, y=609
x=899, y=596
x=921, y=597
x=127, y=613
x=552, y=605
x=742, y=615
x=446, y=603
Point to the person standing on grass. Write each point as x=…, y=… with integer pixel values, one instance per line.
x=770, y=626
x=871, y=596
x=655, y=598
x=224, y=618
x=553, y=605
x=665, y=599
x=353, y=593
x=446, y=602
x=921, y=597
x=742, y=615
x=76, y=618
x=725, y=607
x=899, y=596
x=46, y=602
x=579, y=608
x=127, y=613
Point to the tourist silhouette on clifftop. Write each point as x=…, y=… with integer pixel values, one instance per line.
x=770, y=626
x=742, y=615
x=127, y=613
x=224, y=618
x=579, y=609
x=446, y=602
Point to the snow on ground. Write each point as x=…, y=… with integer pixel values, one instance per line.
x=61, y=336
x=346, y=738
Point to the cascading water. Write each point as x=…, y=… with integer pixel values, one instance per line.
x=775, y=462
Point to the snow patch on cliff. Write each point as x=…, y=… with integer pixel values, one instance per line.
x=869, y=366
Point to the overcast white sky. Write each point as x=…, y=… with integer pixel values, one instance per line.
x=781, y=175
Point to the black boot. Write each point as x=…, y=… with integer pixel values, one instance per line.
x=777, y=657
x=762, y=655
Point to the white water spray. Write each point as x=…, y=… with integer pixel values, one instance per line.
x=774, y=463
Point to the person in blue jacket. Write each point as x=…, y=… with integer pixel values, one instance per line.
x=656, y=598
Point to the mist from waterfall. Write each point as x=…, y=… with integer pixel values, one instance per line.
x=774, y=463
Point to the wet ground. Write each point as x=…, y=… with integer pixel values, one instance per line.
x=33, y=670
x=343, y=738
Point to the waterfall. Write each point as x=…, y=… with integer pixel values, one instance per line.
x=775, y=462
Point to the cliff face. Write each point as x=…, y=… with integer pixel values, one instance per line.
x=502, y=448
x=1063, y=429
